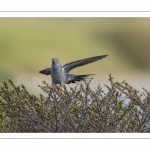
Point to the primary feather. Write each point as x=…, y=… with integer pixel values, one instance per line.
x=69, y=66
x=72, y=78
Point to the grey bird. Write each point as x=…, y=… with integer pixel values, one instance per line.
x=60, y=74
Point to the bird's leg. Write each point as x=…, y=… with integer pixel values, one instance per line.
x=53, y=85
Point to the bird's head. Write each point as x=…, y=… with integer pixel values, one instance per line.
x=55, y=61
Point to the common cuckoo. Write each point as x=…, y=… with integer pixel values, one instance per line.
x=60, y=74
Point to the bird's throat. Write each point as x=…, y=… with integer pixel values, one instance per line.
x=56, y=67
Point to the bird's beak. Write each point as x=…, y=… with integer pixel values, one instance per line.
x=55, y=60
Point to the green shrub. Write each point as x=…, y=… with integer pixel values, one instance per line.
x=120, y=108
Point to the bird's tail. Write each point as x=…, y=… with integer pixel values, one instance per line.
x=72, y=78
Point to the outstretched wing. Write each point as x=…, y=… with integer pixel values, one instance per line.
x=69, y=66
x=46, y=71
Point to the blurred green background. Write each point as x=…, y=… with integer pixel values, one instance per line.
x=28, y=44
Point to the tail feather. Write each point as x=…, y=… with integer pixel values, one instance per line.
x=71, y=78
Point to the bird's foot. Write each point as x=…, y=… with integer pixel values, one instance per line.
x=51, y=87
x=59, y=88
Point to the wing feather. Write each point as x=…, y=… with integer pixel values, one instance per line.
x=46, y=71
x=69, y=66
x=72, y=78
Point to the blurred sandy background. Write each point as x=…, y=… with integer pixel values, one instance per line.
x=28, y=44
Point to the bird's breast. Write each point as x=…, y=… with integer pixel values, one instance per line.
x=58, y=76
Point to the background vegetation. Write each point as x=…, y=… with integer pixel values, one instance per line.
x=28, y=44
x=78, y=110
